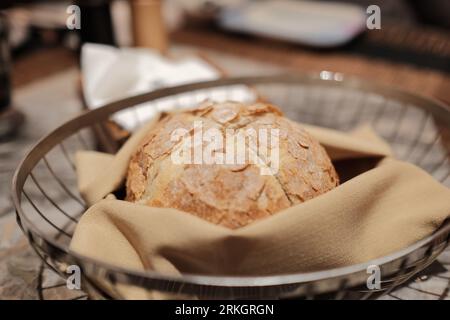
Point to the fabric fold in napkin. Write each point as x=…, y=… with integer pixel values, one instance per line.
x=373, y=214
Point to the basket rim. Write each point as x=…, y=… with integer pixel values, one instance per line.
x=324, y=77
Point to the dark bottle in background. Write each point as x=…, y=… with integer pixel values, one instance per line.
x=96, y=21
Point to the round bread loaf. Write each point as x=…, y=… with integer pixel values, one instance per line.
x=224, y=183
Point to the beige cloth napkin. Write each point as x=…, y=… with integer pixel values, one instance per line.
x=373, y=214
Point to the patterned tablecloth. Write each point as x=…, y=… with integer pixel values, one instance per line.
x=52, y=100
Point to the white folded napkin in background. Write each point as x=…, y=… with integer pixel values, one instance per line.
x=111, y=73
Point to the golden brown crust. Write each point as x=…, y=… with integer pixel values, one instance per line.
x=229, y=195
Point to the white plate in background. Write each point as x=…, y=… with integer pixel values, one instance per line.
x=319, y=24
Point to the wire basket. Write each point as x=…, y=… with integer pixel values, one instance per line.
x=48, y=204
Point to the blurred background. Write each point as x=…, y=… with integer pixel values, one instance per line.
x=399, y=42
x=53, y=53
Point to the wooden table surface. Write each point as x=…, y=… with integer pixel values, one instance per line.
x=48, y=96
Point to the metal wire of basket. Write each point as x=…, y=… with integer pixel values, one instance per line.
x=48, y=204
